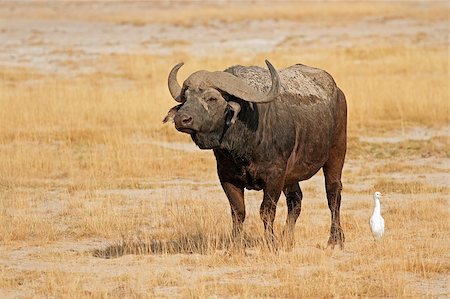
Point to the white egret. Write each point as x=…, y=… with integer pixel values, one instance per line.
x=377, y=221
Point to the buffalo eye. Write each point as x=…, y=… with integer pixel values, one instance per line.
x=212, y=99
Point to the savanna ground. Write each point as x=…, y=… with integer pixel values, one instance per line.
x=100, y=199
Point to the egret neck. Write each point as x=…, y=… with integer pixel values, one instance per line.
x=377, y=207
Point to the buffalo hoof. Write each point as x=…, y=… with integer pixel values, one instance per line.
x=237, y=246
x=288, y=241
x=336, y=237
x=235, y=250
x=271, y=243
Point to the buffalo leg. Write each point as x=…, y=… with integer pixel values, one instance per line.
x=235, y=196
x=333, y=185
x=333, y=172
x=334, y=203
x=294, y=197
x=267, y=211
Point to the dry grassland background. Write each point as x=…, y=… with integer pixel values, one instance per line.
x=99, y=199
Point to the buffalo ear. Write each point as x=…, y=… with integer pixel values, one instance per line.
x=236, y=108
x=171, y=114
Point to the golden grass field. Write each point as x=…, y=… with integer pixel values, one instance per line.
x=99, y=199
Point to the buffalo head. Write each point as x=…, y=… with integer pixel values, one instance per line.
x=211, y=101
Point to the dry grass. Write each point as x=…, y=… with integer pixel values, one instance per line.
x=93, y=202
x=408, y=187
x=189, y=259
x=73, y=129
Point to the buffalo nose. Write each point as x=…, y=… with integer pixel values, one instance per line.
x=186, y=120
x=182, y=120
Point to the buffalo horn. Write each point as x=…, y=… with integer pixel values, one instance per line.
x=239, y=88
x=174, y=86
x=275, y=88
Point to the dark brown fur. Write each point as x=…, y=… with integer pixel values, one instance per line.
x=272, y=146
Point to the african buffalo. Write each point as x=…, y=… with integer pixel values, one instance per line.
x=268, y=130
